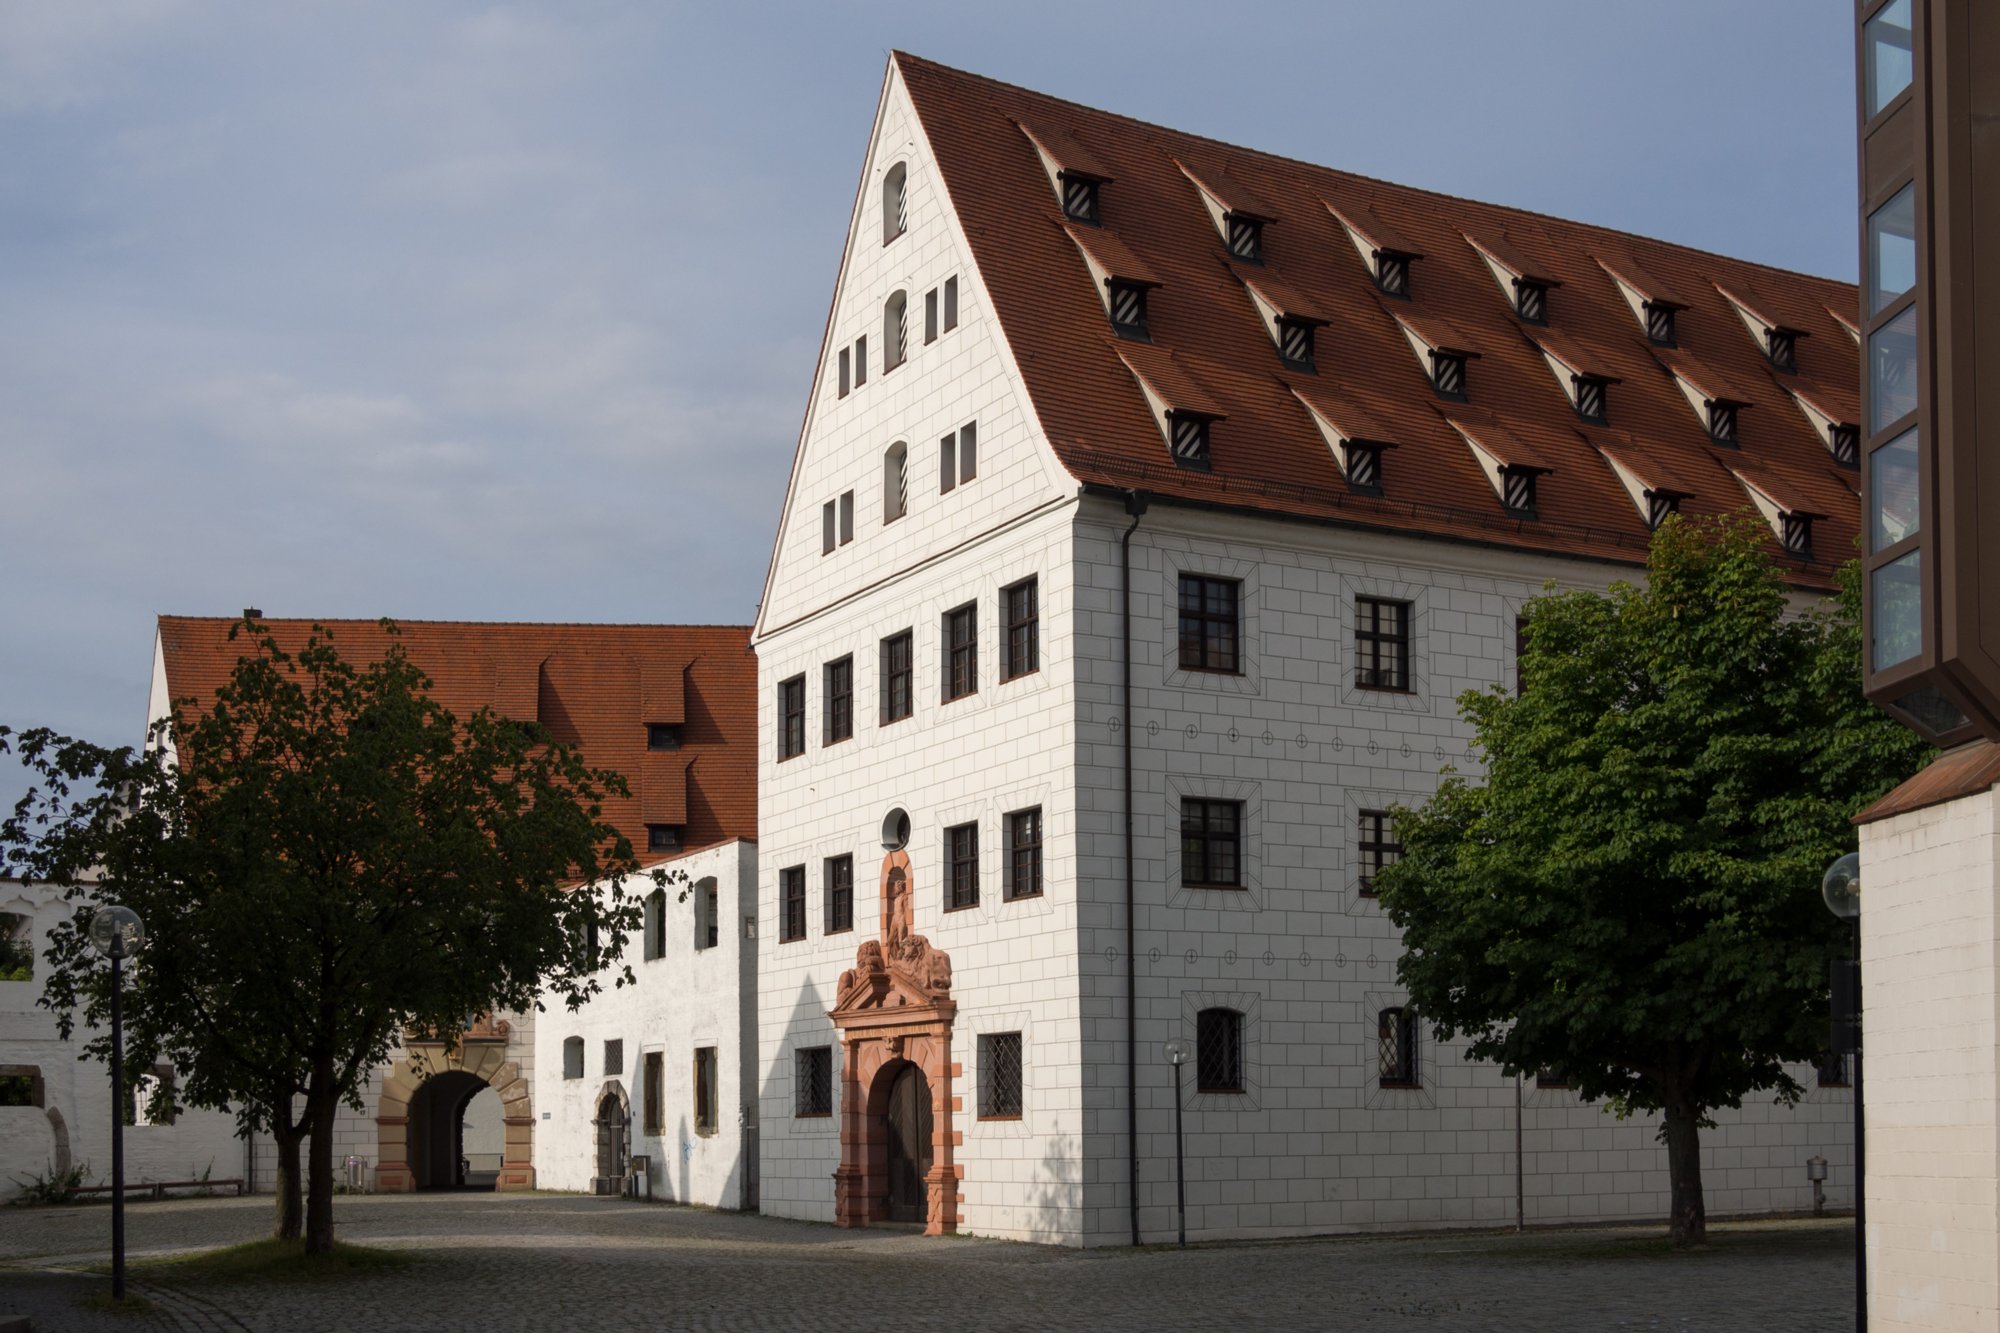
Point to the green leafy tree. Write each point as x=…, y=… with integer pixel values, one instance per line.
x=1629, y=896
x=324, y=858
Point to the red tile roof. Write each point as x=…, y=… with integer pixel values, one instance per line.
x=1267, y=454
x=593, y=686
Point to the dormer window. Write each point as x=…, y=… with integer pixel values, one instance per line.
x=1392, y=274
x=1189, y=440
x=1660, y=322
x=1517, y=490
x=1128, y=309
x=1387, y=254
x=1722, y=422
x=1246, y=238
x=1295, y=343
x=1079, y=198
x=1531, y=301
x=1448, y=374
x=1844, y=443
x=1364, y=467
x=1589, y=395
x=1797, y=534
x=1659, y=504
x=1782, y=347
x=663, y=736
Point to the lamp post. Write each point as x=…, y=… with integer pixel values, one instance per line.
x=1178, y=1052
x=1840, y=887
x=118, y=934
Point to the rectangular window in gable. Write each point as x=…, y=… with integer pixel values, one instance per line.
x=1364, y=468
x=950, y=304
x=1518, y=490
x=845, y=371
x=663, y=837
x=1531, y=301
x=829, y=528
x=1392, y=273
x=1722, y=422
x=1448, y=374
x=1782, y=347
x=930, y=316
x=860, y=361
x=846, y=517
x=1660, y=322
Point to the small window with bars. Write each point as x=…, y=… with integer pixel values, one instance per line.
x=838, y=873
x=813, y=1072
x=895, y=202
x=1722, y=422
x=1531, y=301
x=1797, y=532
x=1218, y=1051
x=896, y=653
x=961, y=854
x=792, y=903
x=1000, y=1076
x=1295, y=343
x=1246, y=238
x=1392, y=273
x=1364, y=468
x=1079, y=198
x=895, y=331
x=1211, y=844
x=614, y=1058
x=792, y=718
x=1591, y=392
x=1781, y=346
x=1660, y=322
x=1844, y=443
x=1024, y=855
x=838, y=701
x=1377, y=847
x=663, y=837
x=1396, y=1051
x=663, y=735
x=1021, y=605
x=1210, y=624
x=1128, y=310
x=1381, y=644
x=1448, y=374
x=895, y=482
x=1517, y=490
x=1189, y=436
x=961, y=659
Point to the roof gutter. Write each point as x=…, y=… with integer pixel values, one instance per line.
x=1135, y=505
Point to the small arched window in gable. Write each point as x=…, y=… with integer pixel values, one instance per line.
x=895, y=330
x=895, y=482
x=895, y=202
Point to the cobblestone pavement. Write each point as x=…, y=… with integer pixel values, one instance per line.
x=501, y=1263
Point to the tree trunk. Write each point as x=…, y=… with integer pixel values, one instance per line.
x=323, y=1103
x=291, y=1209
x=1688, y=1222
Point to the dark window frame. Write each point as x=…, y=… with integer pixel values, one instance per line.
x=1662, y=325
x=663, y=736
x=1531, y=301
x=1593, y=395
x=1297, y=343
x=1392, y=273
x=1210, y=652
x=1021, y=644
x=1129, y=309
x=961, y=866
x=665, y=837
x=812, y=1073
x=1448, y=374
x=1398, y=1048
x=707, y=1093
x=791, y=904
x=1375, y=846
x=1080, y=197
x=1218, y=1051
x=837, y=889
x=1245, y=237
x=1382, y=652
x=961, y=652
x=1722, y=422
x=652, y=1086
x=1211, y=834
x=950, y=303
x=898, y=679
x=791, y=717
x=1002, y=1085
x=1190, y=440
x=1021, y=835
x=837, y=701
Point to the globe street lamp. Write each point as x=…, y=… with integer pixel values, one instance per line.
x=118, y=934
x=1840, y=887
x=1178, y=1052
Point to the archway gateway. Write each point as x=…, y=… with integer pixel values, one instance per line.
x=894, y=1012
x=481, y=1051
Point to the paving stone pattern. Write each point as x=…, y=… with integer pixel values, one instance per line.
x=499, y=1263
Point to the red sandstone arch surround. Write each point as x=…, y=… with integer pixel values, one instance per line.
x=482, y=1052
x=893, y=1005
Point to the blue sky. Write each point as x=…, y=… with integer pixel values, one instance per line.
x=477, y=311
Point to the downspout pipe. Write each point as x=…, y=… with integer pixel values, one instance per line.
x=1135, y=505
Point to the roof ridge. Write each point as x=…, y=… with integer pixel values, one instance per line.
x=400, y=621
x=899, y=55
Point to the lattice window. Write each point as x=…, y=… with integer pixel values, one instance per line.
x=1396, y=1048
x=1021, y=604
x=792, y=903
x=1531, y=301
x=1660, y=323
x=813, y=1072
x=961, y=849
x=1210, y=624
x=1079, y=197
x=1517, y=490
x=1448, y=374
x=1376, y=847
x=1246, y=239
x=961, y=664
x=1211, y=843
x=1024, y=854
x=1590, y=397
x=897, y=673
x=1000, y=1076
x=1295, y=343
x=1381, y=644
x=838, y=701
x=792, y=718
x=1364, y=468
x=614, y=1058
x=838, y=873
x=1218, y=1050
x=1128, y=309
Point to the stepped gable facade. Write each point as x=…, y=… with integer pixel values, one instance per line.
x=1154, y=502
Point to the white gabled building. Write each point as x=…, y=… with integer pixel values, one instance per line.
x=1296, y=446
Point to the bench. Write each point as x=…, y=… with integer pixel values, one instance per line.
x=157, y=1189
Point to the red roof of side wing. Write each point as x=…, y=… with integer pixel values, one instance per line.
x=1267, y=452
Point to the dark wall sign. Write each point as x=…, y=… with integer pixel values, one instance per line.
x=1929, y=93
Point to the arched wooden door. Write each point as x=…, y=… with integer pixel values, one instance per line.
x=614, y=1128
x=909, y=1135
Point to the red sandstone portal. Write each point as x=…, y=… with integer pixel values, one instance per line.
x=894, y=1009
